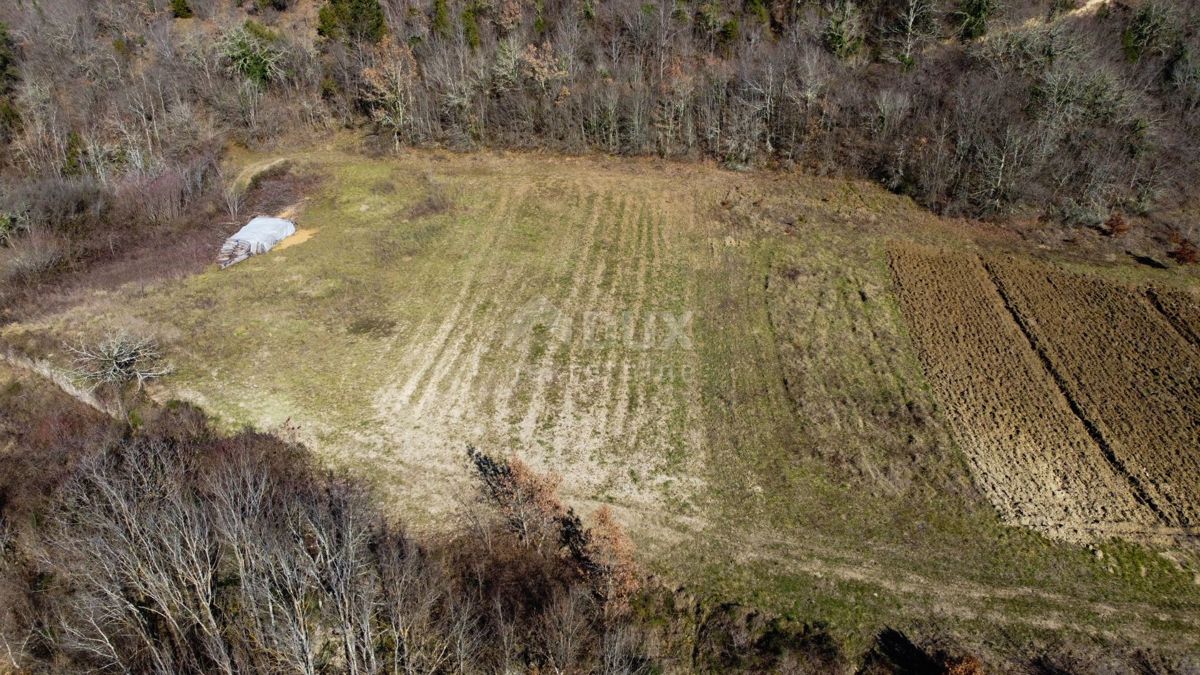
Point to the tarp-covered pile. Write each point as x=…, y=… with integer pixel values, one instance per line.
x=257, y=237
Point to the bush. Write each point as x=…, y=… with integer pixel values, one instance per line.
x=1183, y=77
x=118, y=362
x=31, y=260
x=76, y=156
x=843, y=33
x=1150, y=29
x=180, y=9
x=9, y=74
x=10, y=121
x=441, y=18
x=69, y=207
x=973, y=17
x=250, y=51
x=1116, y=225
x=352, y=20
x=1185, y=252
x=470, y=21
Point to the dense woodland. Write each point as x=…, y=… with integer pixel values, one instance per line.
x=170, y=548
x=113, y=113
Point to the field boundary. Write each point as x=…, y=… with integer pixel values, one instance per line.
x=59, y=379
x=1135, y=485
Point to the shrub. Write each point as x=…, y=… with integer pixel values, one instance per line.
x=1116, y=225
x=441, y=18
x=759, y=10
x=70, y=207
x=74, y=163
x=260, y=32
x=10, y=226
x=601, y=556
x=352, y=20
x=180, y=9
x=1183, y=76
x=1185, y=253
x=973, y=17
x=118, y=362
x=250, y=51
x=708, y=17
x=8, y=62
x=526, y=500
x=1151, y=28
x=10, y=120
x=31, y=259
x=470, y=21
x=843, y=34
x=731, y=31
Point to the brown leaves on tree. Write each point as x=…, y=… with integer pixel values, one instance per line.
x=602, y=555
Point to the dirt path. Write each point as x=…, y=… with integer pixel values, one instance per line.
x=970, y=601
x=61, y=380
x=947, y=596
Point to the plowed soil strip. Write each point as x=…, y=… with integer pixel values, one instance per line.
x=1128, y=371
x=1140, y=491
x=1029, y=452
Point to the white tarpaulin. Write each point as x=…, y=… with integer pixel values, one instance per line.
x=257, y=237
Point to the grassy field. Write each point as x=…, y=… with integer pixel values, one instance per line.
x=720, y=357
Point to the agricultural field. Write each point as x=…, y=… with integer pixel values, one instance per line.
x=805, y=394
x=1031, y=453
x=1132, y=379
x=1181, y=309
x=1075, y=396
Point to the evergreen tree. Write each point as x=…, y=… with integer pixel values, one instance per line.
x=352, y=20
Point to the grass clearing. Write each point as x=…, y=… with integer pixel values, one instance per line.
x=721, y=357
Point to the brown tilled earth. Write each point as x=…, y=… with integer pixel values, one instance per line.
x=1077, y=399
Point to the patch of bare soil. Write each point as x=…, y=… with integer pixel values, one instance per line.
x=277, y=189
x=302, y=235
x=166, y=253
x=1133, y=379
x=1029, y=450
x=1181, y=309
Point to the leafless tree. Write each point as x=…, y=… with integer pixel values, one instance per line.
x=117, y=363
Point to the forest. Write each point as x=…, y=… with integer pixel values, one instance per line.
x=112, y=113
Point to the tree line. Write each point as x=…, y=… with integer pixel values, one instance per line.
x=972, y=107
x=158, y=545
